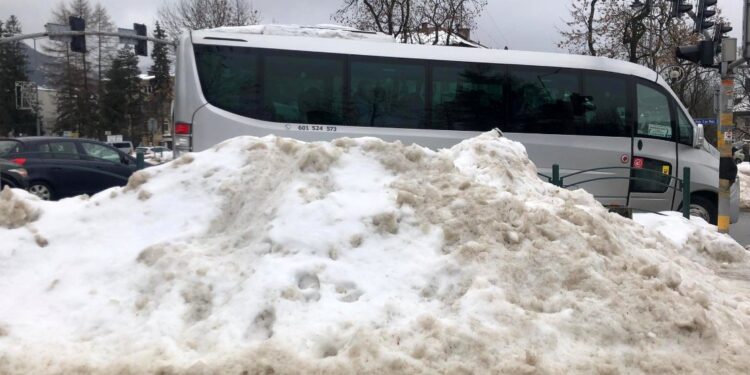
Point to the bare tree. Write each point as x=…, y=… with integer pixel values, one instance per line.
x=392, y=17
x=403, y=18
x=582, y=28
x=646, y=36
x=447, y=17
x=179, y=15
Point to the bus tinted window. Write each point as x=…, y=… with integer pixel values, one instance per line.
x=654, y=119
x=228, y=77
x=467, y=97
x=388, y=94
x=303, y=89
x=604, y=106
x=544, y=101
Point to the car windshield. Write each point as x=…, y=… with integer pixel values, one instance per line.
x=121, y=145
x=8, y=146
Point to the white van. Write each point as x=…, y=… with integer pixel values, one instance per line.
x=321, y=83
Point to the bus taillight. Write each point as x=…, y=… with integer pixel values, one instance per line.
x=182, y=128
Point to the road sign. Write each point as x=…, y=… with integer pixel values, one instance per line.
x=53, y=28
x=638, y=163
x=705, y=121
x=114, y=138
x=26, y=95
x=124, y=39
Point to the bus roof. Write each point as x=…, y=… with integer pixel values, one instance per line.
x=352, y=42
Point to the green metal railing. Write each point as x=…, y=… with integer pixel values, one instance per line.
x=682, y=185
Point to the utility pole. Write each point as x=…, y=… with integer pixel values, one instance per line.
x=725, y=136
x=705, y=53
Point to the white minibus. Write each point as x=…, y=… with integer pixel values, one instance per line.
x=321, y=83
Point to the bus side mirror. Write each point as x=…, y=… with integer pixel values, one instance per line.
x=699, y=137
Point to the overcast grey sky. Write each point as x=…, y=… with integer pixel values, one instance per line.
x=519, y=24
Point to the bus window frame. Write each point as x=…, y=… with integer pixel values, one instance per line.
x=429, y=65
x=511, y=68
x=503, y=68
x=425, y=63
x=263, y=53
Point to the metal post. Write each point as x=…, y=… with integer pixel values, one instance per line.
x=556, y=175
x=139, y=163
x=686, y=192
x=724, y=139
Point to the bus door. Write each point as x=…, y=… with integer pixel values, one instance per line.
x=584, y=124
x=654, y=152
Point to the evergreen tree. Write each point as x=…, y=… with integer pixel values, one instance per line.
x=105, y=46
x=78, y=76
x=122, y=100
x=162, y=82
x=13, y=67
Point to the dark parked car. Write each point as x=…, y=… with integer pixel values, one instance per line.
x=66, y=167
x=13, y=175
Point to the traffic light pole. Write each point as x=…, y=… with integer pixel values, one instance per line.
x=724, y=141
x=17, y=38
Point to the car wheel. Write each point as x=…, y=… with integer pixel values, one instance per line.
x=704, y=208
x=41, y=190
x=7, y=183
x=737, y=161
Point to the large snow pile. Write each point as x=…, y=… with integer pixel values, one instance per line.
x=743, y=173
x=317, y=31
x=357, y=256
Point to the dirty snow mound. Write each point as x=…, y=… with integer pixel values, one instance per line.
x=743, y=173
x=14, y=209
x=269, y=255
x=696, y=239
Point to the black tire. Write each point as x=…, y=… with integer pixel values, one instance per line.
x=700, y=205
x=38, y=188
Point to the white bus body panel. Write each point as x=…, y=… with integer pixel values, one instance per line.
x=211, y=125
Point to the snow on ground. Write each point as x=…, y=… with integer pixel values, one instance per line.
x=695, y=239
x=358, y=256
x=318, y=31
x=160, y=157
x=743, y=172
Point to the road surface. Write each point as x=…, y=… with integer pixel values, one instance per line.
x=740, y=231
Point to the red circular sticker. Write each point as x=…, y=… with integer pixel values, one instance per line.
x=624, y=158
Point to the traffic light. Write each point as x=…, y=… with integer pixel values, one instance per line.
x=679, y=7
x=141, y=46
x=719, y=30
x=701, y=53
x=78, y=42
x=702, y=21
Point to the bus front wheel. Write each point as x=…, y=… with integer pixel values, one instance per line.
x=704, y=208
